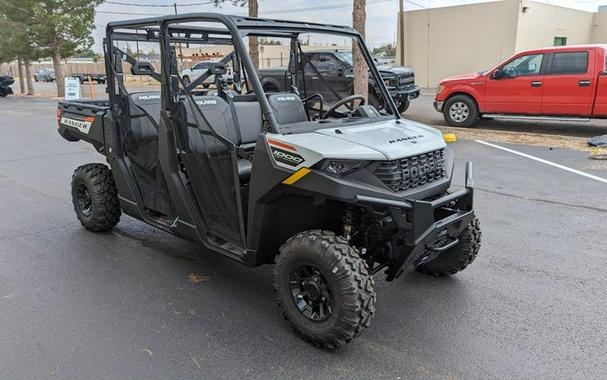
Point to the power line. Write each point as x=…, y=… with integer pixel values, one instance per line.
x=158, y=5
x=416, y=4
x=276, y=11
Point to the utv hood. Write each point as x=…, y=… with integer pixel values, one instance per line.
x=389, y=138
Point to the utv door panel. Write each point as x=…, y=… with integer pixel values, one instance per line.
x=211, y=166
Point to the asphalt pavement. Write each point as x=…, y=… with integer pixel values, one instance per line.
x=138, y=303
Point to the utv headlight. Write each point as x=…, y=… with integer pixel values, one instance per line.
x=340, y=168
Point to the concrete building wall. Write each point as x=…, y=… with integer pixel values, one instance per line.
x=540, y=23
x=599, y=28
x=446, y=41
x=441, y=42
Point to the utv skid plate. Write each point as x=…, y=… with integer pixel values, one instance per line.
x=428, y=228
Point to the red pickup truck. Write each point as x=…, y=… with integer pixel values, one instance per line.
x=567, y=83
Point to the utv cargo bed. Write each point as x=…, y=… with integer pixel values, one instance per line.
x=84, y=120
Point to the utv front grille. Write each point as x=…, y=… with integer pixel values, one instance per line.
x=411, y=172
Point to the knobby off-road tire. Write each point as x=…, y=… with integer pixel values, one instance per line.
x=343, y=275
x=456, y=259
x=403, y=106
x=95, y=197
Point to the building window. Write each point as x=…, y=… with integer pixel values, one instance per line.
x=560, y=41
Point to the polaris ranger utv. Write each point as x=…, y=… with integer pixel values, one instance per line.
x=332, y=194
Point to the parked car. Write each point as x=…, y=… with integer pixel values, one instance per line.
x=556, y=83
x=44, y=75
x=83, y=78
x=335, y=66
x=189, y=75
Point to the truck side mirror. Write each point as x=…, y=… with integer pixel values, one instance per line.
x=497, y=74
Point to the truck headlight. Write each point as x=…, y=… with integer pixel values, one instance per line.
x=340, y=168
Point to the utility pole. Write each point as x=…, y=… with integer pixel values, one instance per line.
x=180, y=51
x=401, y=31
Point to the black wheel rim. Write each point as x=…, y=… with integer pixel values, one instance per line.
x=311, y=293
x=84, y=200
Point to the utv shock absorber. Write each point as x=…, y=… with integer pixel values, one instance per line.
x=348, y=225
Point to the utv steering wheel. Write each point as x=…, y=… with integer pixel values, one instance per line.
x=332, y=110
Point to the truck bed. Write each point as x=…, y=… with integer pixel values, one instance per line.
x=84, y=120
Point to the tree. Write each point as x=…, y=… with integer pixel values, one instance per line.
x=253, y=12
x=15, y=39
x=385, y=50
x=361, y=75
x=62, y=28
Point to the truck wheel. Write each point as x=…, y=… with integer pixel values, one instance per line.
x=460, y=111
x=456, y=259
x=324, y=288
x=95, y=197
x=404, y=106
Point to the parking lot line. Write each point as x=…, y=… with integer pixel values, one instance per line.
x=563, y=167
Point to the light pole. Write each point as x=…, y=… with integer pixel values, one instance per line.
x=401, y=30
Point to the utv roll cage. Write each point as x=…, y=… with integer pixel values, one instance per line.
x=166, y=30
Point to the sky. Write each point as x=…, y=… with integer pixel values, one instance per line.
x=381, y=14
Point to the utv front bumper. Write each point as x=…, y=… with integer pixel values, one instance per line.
x=426, y=228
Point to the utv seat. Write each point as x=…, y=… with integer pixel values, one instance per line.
x=288, y=108
x=218, y=113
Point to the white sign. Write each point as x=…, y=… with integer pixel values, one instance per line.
x=72, y=89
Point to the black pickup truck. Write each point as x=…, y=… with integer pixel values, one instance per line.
x=335, y=67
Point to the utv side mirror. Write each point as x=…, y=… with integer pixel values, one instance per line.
x=142, y=68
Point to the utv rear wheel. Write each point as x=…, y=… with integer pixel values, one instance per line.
x=95, y=197
x=324, y=288
x=460, y=111
x=456, y=259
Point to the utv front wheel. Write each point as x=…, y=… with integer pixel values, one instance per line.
x=324, y=288
x=458, y=258
x=95, y=197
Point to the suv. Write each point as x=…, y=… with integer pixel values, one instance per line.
x=200, y=68
x=567, y=83
x=332, y=197
x=326, y=71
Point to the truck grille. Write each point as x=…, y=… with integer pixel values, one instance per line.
x=411, y=172
x=406, y=79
